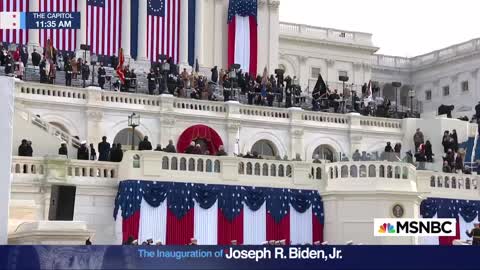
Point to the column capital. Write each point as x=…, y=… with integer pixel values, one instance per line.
x=274, y=4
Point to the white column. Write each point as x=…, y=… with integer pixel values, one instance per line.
x=33, y=34
x=82, y=32
x=126, y=28
x=199, y=21
x=219, y=22
x=142, y=31
x=183, y=54
x=274, y=34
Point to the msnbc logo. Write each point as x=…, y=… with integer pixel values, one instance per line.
x=386, y=228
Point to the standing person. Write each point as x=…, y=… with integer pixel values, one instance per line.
x=388, y=148
x=43, y=71
x=19, y=70
x=145, y=144
x=85, y=71
x=104, y=150
x=24, y=55
x=68, y=73
x=113, y=152
x=152, y=82
x=63, y=150
x=101, y=75
x=93, y=153
x=74, y=65
x=475, y=234
x=29, y=149
x=418, y=139
x=36, y=58
x=458, y=162
x=170, y=147
x=9, y=64
x=428, y=151
x=22, y=149
x=446, y=141
x=82, y=152
x=454, y=140
x=214, y=74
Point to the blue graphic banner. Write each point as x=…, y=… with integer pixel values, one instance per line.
x=52, y=20
x=238, y=257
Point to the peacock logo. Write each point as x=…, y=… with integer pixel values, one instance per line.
x=386, y=228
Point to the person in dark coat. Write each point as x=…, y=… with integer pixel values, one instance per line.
x=36, y=58
x=82, y=152
x=104, y=150
x=475, y=234
x=446, y=141
x=214, y=74
x=22, y=149
x=9, y=65
x=190, y=148
x=85, y=71
x=398, y=148
x=159, y=148
x=152, y=82
x=112, y=153
x=68, y=73
x=43, y=71
x=197, y=150
x=221, y=151
x=458, y=163
x=270, y=95
x=145, y=144
x=454, y=136
x=118, y=153
x=388, y=148
x=170, y=147
x=93, y=153
x=101, y=76
x=24, y=55
x=428, y=151
x=29, y=149
x=63, y=150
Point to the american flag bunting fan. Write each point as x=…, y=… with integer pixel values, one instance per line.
x=217, y=214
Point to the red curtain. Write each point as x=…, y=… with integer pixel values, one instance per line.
x=229, y=230
x=278, y=231
x=317, y=228
x=231, y=42
x=130, y=226
x=179, y=231
x=199, y=132
x=447, y=240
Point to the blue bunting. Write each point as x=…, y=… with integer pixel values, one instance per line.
x=182, y=196
x=450, y=208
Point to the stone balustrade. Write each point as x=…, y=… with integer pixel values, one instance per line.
x=362, y=176
x=93, y=97
x=429, y=58
x=321, y=33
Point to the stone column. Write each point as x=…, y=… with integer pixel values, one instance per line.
x=233, y=140
x=33, y=34
x=142, y=33
x=219, y=33
x=183, y=53
x=296, y=144
x=274, y=34
x=126, y=29
x=94, y=126
x=82, y=32
x=199, y=31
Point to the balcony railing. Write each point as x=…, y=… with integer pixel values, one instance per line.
x=362, y=176
x=320, y=33
x=449, y=52
x=158, y=104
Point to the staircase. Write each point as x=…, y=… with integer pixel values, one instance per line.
x=46, y=138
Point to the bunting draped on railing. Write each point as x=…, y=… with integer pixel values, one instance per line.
x=466, y=212
x=217, y=214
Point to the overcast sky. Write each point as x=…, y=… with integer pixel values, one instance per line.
x=399, y=27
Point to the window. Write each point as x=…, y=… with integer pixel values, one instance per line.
x=428, y=95
x=446, y=91
x=265, y=149
x=315, y=72
x=464, y=86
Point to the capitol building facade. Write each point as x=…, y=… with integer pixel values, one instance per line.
x=55, y=199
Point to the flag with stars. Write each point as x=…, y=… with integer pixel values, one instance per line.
x=242, y=35
x=465, y=211
x=12, y=16
x=174, y=212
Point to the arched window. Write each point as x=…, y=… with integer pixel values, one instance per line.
x=344, y=171
x=372, y=171
x=363, y=171
x=265, y=148
x=124, y=137
x=432, y=181
x=325, y=152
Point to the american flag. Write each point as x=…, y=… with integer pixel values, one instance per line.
x=163, y=28
x=62, y=39
x=104, y=26
x=15, y=36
